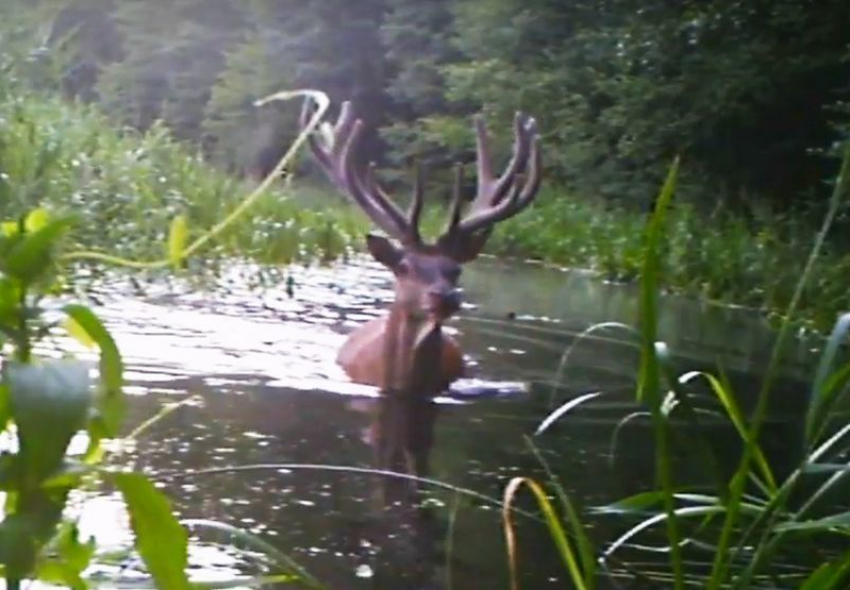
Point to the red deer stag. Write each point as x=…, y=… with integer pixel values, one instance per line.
x=406, y=351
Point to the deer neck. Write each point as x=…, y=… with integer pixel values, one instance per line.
x=412, y=352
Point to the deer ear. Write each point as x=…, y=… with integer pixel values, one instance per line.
x=384, y=251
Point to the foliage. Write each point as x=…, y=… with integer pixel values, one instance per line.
x=752, y=520
x=46, y=402
x=622, y=86
x=718, y=257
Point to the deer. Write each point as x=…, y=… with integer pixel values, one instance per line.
x=406, y=352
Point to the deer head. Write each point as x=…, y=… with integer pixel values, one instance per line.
x=427, y=274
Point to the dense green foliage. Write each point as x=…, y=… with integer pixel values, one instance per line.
x=126, y=189
x=718, y=256
x=45, y=404
x=751, y=95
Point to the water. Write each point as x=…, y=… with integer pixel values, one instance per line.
x=254, y=370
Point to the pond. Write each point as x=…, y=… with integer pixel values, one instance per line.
x=255, y=370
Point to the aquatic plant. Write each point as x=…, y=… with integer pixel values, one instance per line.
x=750, y=521
x=45, y=402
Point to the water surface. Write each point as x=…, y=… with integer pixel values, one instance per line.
x=256, y=368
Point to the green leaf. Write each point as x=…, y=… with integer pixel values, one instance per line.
x=830, y=522
x=74, y=557
x=88, y=326
x=10, y=228
x=821, y=397
x=569, y=554
x=76, y=331
x=49, y=403
x=18, y=546
x=648, y=379
x=30, y=257
x=36, y=220
x=829, y=576
x=160, y=540
x=178, y=236
x=727, y=398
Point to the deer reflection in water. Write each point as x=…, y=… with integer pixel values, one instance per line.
x=402, y=530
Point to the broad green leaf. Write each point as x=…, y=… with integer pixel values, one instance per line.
x=73, y=558
x=76, y=331
x=36, y=220
x=160, y=540
x=57, y=572
x=30, y=257
x=49, y=403
x=111, y=365
x=110, y=404
x=5, y=409
x=18, y=547
x=178, y=236
x=10, y=228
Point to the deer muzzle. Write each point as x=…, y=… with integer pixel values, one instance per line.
x=443, y=304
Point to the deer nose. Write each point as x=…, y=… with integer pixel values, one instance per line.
x=444, y=303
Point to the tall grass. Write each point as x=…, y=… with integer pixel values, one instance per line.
x=126, y=187
x=752, y=522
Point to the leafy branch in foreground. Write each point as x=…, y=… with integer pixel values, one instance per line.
x=45, y=403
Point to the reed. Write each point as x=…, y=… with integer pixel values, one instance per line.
x=753, y=521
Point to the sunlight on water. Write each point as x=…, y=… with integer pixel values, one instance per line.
x=267, y=396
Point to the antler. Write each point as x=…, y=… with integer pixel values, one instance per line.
x=336, y=154
x=499, y=198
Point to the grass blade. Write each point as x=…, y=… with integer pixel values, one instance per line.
x=649, y=378
x=561, y=411
x=824, y=386
x=585, y=547
x=556, y=530
x=730, y=404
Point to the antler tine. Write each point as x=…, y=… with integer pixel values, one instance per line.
x=335, y=153
x=365, y=191
x=457, y=200
x=328, y=153
x=375, y=193
x=521, y=196
x=491, y=191
x=414, y=214
x=499, y=199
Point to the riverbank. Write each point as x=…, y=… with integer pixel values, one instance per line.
x=719, y=257
x=125, y=187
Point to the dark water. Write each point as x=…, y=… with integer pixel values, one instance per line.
x=255, y=370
